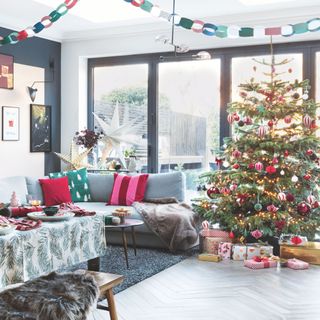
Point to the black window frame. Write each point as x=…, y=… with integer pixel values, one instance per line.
x=308, y=49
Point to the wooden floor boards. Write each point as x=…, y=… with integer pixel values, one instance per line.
x=194, y=290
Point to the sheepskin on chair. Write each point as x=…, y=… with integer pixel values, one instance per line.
x=68, y=296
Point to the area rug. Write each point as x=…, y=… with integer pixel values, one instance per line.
x=147, y=263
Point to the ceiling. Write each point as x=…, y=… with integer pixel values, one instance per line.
x=96, y=18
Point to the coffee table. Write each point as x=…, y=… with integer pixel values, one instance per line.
x=129, y=223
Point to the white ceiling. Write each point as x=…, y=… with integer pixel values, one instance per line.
x=98, y=18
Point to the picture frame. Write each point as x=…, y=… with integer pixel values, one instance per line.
x=6, y=71
x=40, y=128
x=10, y=123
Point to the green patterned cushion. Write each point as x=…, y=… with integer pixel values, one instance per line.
x=78, y=184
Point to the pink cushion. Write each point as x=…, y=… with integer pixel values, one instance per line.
x=127, y=190
x=55, y=191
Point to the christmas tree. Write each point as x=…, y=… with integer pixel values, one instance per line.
x=268, y=171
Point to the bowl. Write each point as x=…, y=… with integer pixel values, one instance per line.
x=50, y=211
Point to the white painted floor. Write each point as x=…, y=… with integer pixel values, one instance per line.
x=194, y=290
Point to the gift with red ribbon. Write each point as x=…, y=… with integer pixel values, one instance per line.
x=260, y=263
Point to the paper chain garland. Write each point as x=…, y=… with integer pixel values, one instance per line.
x=198, y=26
x=222, y=31
x=44, y=23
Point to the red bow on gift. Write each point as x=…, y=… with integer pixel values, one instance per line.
x=296, y=240
x=260, y=259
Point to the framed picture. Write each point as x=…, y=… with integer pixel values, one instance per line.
x=10, y=123
x=40, y=128
x=6, y=71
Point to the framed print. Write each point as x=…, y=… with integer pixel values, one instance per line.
x=6, y=71
x=40, y=128
x=10, y=123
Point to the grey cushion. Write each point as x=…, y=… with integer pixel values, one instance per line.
x=10, y=184
x=163, y=185
x=34, y=188
x=100, y=186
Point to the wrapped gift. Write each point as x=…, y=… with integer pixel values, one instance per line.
x=294, y=240
x=309, y=253
x=211, y=244
x=225, y=250
x=297, y=264
x=214, y=233
x=260, y=263
x=221, y=236
x=239, y=252
x=209, y=257
x=257, y=249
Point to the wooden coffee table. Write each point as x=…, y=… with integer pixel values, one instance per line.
x=129, y=223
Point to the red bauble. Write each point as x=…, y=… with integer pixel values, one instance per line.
x=236, y=154
x=280, y=224
x=287, y=119
x=303, y=208
x=314, y=124
x=307, y=177
x=258, y=166
x=272, y=208
x=270, y=123
x=236, y=166
x=307, y=121
x=212, y=191
x=286, y=153
x=230, y=118
x=309, y=152
x=271, y=169
x=290, y=197
x=236, y=117
x=231, y=235
x=251, y=166
x=316, y=204
x=247, y=120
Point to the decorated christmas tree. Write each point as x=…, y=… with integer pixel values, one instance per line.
x=267, y=182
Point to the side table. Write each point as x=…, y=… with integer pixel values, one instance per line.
x=129, y=223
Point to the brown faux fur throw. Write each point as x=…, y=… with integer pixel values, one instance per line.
x=173, y=222
x=68, y=296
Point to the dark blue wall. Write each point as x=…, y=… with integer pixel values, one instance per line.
x=37, y=52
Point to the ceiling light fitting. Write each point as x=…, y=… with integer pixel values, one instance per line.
x=33, y=91
x=179, y=49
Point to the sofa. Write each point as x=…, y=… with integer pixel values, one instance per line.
x=158, y=186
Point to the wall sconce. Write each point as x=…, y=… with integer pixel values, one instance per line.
x=33, y=91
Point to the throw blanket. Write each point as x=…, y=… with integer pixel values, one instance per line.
x=53, y=297
x=77, y=210
x=21, y=225
x=174, y=223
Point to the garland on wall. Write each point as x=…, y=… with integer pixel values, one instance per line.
x=198, y=26
x=223, y=31
x=44, y=23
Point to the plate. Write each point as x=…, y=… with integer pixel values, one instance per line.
x=4, y=231
x=60, y=216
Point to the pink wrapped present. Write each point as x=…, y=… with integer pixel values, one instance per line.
x=211, y=244
x=297, y=264
x=260, y=263
x=214, y=233
x=239, y=252
x=257, y=249
x=225, y=250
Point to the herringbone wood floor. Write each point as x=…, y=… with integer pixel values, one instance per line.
x=193, y=290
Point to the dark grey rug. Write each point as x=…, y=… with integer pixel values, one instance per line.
x=147, y=263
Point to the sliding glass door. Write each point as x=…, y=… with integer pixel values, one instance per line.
x=189, y=117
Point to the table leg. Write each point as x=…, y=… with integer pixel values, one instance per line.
x=125, y=246
x=134, y=240
x=111, y=305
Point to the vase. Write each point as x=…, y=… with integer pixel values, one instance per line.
x=132, y=164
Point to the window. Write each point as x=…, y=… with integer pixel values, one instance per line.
x=121, y=102
x=189, y=115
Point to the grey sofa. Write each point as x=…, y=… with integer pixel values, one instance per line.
x=158, y=186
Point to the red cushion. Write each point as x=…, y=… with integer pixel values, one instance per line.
x=128, y=189
x=55, y=191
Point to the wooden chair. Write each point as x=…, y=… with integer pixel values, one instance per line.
x=106, y=282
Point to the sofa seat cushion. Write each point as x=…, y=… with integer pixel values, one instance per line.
x=101, y=209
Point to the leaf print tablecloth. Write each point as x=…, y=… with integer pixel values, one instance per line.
x=26, y=255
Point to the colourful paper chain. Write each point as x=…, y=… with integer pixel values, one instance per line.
x=222, y=31
x=44, y=23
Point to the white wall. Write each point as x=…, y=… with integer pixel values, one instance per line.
x=74, y=64
x=15, y=156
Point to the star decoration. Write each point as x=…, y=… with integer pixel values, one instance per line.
x=114, y=134
x=75, y=160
